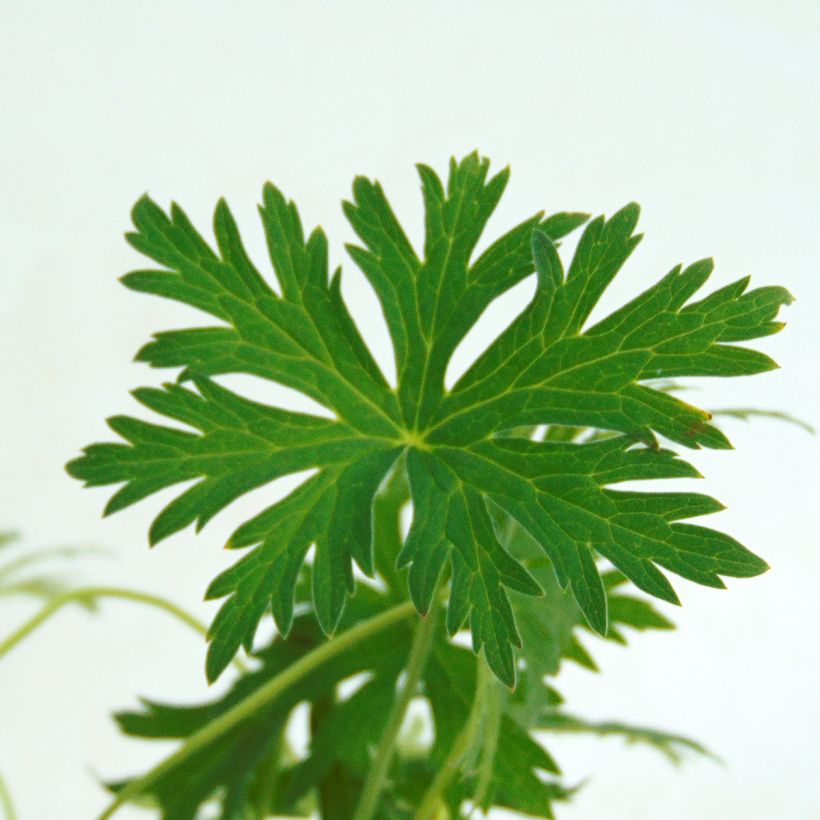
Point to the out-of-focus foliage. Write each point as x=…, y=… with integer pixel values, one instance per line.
x=487, y=738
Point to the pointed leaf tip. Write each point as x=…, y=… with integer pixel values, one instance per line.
x=564, y=372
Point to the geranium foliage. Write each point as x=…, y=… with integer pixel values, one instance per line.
x=468, y=452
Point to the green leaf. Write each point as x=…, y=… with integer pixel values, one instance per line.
x=462, y=448
x=21, y=573
x=251, y=766
x=749, y=413
x=672, y=746
x=498, y=761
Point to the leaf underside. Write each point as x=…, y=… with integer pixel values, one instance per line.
x=468, y=452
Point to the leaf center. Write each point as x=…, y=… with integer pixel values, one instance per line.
x=415, y=439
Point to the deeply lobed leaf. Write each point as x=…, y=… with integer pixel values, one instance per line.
x=470, y=469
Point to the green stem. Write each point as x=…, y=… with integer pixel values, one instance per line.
x=267, y=779
x=463, y=743
x=86, y=594
x=5, y=802
x=491, y=728
x=419, y=652
x=259, y=699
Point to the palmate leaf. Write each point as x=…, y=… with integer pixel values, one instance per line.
x=464, y=465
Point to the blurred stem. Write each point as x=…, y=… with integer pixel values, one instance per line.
x=491, y=707
x=419, y=653
x=431, y=801
x=267, y=780
x=260, y=699
x=88, y=595
x=5, y=802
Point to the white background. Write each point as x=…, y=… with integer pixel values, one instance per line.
x=704, y=112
